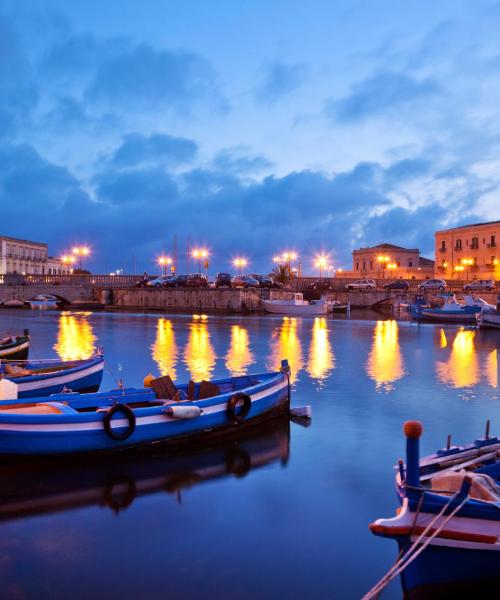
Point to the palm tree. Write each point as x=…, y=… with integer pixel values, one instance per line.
x=281, y=273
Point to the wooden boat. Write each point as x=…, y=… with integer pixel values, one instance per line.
x=337, y=306
x=489, y=317
x=451, y=311
x=448, y=526
x=74, y=423
x=297, y=306
x=15, y=347
x=43, y=377
x=45, y=486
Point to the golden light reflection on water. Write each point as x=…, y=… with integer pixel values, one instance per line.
x=164, y=349
x=321, y=358
x=239, y=355
x=199, y=354
x=492, y=368
x=75, y=337
x=385, y=362
x=443, y=342
x=285, y=343
x=461, y=368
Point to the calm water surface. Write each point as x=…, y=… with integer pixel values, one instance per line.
x=281, y=513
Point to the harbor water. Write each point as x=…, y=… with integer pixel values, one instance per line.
x=284, y=511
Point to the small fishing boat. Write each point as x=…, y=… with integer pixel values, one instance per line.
x=449, y=310
x=489, y=317
x=43, y=377
x=15, y=347
x=297, y=306
x=337, y=306
x=119, y=419
x=44, y=302
x=53, y=485
x=448, y=526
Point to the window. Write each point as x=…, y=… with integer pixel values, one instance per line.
x=443, y=245
x=458, y=245
x=410, y=263
x=371, y=265
x=364, y=266
x=475, y=243
x=357, y=265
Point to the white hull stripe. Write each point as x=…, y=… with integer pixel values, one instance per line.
x=14, y=349
x=60, y=380
x=97, y=425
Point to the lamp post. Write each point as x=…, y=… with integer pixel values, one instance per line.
x=200, y=254
x=164, y=262
x=383, y=260
x=321, y=262
x=240, y=263
x=81, y=252
x=68, y=260
x=468, y=262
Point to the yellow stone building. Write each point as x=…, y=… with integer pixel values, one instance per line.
x=468, y=252
x=28, y=258
x=387, y=261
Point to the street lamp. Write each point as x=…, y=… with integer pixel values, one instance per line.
x=200, y=254
x=383, y=260
x=164, y=262
x=321, y=262
x=240, y=263
x=68, y=260
x=81, y=252
x=467, y=262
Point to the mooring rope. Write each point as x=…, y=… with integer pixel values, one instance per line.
x=412, y=553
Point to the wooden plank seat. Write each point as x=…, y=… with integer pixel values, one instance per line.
x=208, y=390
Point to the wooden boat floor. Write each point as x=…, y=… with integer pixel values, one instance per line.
x=31, y=409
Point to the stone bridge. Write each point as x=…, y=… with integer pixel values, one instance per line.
x=67, y=293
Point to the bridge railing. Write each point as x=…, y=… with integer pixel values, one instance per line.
x=77, y=280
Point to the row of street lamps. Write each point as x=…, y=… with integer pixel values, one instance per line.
x=77, y=253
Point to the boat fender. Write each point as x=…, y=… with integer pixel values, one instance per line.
x=183, y=412
x=127, y=412
x=238, y=407
x=148, y=379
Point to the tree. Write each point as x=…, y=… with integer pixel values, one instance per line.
x=281, y=273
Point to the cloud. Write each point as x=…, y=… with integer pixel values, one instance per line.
x=380, y=94
x=145, y=78
x=168, y=150
x=147, y=189
x=237, y=160
x=280, y=79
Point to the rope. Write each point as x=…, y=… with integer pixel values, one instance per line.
x=411, y=554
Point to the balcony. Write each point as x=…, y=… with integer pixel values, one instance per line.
x=473, y=247
x=491, y=245
x=442, y=250
x=458, y=248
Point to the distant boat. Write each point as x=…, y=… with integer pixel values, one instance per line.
x=128, y=418
x=296, y=306
x=489, y=318
x=43, y=377
x=44, y=302
x=450, y=311
x=448, y=525
x=337, y=306
x=15, y=347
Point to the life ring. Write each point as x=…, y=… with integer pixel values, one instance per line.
x=116, y=499
x=127, y=413
x=235, y=410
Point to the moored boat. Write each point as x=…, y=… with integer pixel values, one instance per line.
x=15, y=347
x=120, y=419
x=489, y=317
x=43, y=377
x=297, y=306
x=450, y=311
x=44, y=302
x=448, y=526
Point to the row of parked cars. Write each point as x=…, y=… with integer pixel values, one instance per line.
x=427, y=284
x=201, y=280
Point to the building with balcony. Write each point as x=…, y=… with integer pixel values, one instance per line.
x=28, y=258
x=387, y=261
x=468, y=252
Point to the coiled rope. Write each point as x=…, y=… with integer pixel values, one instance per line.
x=412, y=553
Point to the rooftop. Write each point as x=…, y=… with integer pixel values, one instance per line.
x=386, y=246
x=11, y=239
x=471, y=225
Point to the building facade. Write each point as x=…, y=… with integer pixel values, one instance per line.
x=28, y=258
x=387, y=261
x=468, y=252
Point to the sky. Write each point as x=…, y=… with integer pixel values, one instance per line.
x=249, y=128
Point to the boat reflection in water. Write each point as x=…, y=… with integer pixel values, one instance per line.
x=30, y=488
x=239, y=356
x=385, y=362
x=75, y=338
x=321, y=358
x=164, y=349
x=285, y=341
x=199, y=354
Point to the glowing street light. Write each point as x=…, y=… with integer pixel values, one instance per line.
x=321, y=262
x=240, y=263
x=68, y=261
x=164, y=262
x=81, y=252
x=200, y=254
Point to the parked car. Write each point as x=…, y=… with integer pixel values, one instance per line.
x=160, y=281
x=432, y=284
x=361, y=284
x=197, y=280
x=480, y=284
x=244, y=281
x=397, y=284
x=264, y=281
x=144, y=282
x=223, y=280
x=178, y=281
x=320, y=285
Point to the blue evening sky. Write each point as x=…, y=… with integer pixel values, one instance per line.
x=249, y=127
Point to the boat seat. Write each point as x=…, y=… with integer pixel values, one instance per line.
x=483, y=486
x=48, y=408
x=208, y=390
x=164, y=389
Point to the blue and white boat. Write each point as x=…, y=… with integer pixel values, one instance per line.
x=450, y=311
x=44, y=377
x=448, y=526
x=15, y=347
x=119, y=419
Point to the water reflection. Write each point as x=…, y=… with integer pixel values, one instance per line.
x=285, y=343
x=75, y=337
x=116, y=482
x=385, y=361
x=239, y=355
x=461, y=368
x=164, y=348
x=443, y=342
x=492, y=368
x=321, y=358
x=199, y=354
